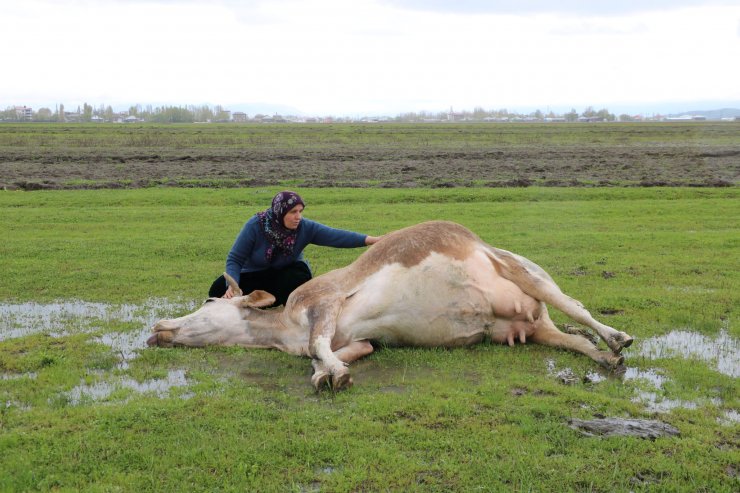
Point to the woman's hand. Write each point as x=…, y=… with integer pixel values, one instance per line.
x=371, y=240
x=229, y=293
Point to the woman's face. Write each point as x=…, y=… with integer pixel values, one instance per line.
x=293, y=217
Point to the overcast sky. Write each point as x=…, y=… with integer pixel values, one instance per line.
x=353, y=57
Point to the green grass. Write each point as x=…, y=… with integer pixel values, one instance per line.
x=489, y=418
x=57, y=137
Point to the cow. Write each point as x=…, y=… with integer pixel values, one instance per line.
x=432, y=284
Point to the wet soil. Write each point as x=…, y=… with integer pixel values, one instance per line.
x=451, y=159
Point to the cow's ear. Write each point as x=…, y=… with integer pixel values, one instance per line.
x=258, y=299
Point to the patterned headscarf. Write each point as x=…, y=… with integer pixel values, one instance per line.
x=279, y=237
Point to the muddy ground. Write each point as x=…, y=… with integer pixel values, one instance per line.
x=352, y=164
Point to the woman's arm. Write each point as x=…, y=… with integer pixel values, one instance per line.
x=241, y=250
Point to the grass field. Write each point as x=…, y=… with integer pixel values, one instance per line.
x=75, y=156
x=84, y=406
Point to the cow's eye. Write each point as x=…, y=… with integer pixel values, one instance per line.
x=209, y=300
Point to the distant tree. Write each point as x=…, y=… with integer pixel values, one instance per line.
x=626, y=118
x=589, y=112
x=60, y=114
x=479, y=113
x=7, y=114
x=43, y=115
x=605, y=115
x=571, y=116
x=87, y=112
x=108, y=114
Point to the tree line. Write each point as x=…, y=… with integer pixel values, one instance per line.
x=206, y=113
x=88, y=113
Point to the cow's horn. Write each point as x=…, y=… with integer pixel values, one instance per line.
x=234, y=286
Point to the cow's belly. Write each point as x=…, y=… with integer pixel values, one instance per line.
x=438, y=302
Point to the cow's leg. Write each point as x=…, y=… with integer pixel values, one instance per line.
x=323, y=321
x=349, y=353
x=547, y=334
x=615, y=339
x=534, y=281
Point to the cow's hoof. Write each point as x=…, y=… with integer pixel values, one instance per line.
x=619, y=341
x=162, y=338
x=341, y=382
x=610, y=361
x=320, y=379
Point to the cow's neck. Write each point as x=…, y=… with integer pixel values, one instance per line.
x=268, y=329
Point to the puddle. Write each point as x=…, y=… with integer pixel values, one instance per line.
x=160, y=387
x=729, y=418
x=723, y=351
x=16, y=404
x=126, y=344
x=659, y=404
x=18, y=376
x=69, y=317
x=651, y=375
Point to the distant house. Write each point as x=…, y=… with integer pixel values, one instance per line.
x=71, y=116
x=685, y=118
x=239, y=116
x=23, y=113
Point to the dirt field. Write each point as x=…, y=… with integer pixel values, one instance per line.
x=496, y=155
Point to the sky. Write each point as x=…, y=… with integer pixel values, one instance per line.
x=371, y=57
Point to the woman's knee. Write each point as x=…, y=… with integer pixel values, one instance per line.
x=218, y=288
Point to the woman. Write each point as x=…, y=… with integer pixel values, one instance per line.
x=268, y=252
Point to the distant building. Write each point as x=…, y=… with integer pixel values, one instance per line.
x=23, y=113
x=685, y=118
x=239, y=116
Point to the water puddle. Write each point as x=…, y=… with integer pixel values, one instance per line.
x=723, y=352
x=18, y=376
x=126, y=344
x=98, y=391
x=73, y=317
x=651, y=375
x=729, y=418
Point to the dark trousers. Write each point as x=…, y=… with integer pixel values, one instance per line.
x=278, y=282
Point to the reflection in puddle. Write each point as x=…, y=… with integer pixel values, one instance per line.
x=659, y=404
x=651, y=375
x=723, y=351
x=66, y=317
x=18, y=376
x=126, y=344
x=730, y=417
x=102, y=390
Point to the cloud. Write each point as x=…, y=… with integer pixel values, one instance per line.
x=572, y=7
x=364, y=56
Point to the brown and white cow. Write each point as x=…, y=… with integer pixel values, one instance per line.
x=433, y=284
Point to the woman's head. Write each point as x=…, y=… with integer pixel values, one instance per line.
x=287, y=209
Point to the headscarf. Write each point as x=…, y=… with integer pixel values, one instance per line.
x=278, y=236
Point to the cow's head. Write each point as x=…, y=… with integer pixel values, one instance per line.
x=217, y=321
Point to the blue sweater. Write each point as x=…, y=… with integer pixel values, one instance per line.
x=248, y=252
